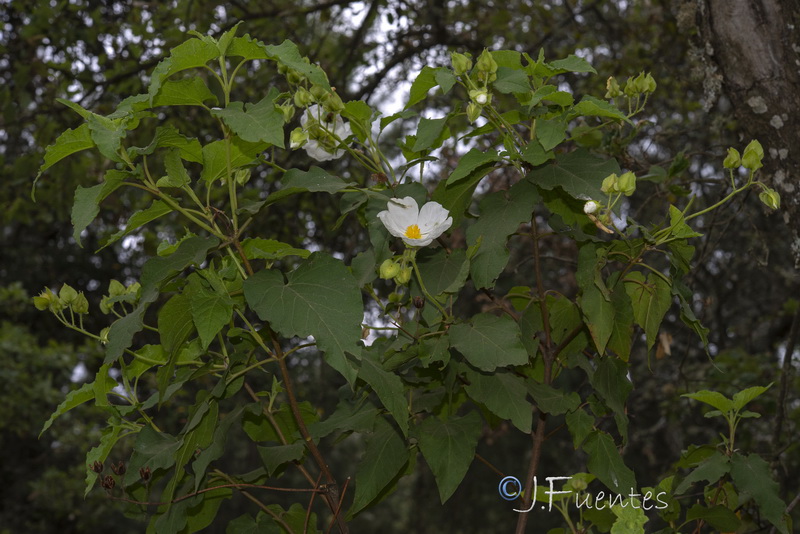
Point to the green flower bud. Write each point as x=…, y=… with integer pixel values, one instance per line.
x=612, y=88
x=104, y=335
x=753, y=154
x=395, y=297
x=282, y=68
x=319, y=93
x=610, y=184
x=770, y=198
x=44, y=300
x=630, y=88
x=242, y=176
x=733, y=159
x=403, y=276
x=115, y=289
x=480, y=96
x=389, y=269
x=650, y=83
x=333, y=102
x=473, y=111
x=67, y=295
x=287, y=110
x=294, y=77
x=302, y=98
x=80, y=305
x=640, y=83
x=298, y=138
x=461, y=63
x=486, y=62
x=627, y=183
x=105, y=307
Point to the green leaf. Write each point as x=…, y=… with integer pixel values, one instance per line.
x=315, y=180
x=470, y=162
x=346, y=418
x=259, y=428
x=580, y=425
x=550, y=133
x=590, y=106
x=319, y=298
x=535, y=154
x=68, y=143
x=107, y=135
x=211, y=309
x=572, y=63
x=710, y=470
x=606, y=463
x=552, y=400
x=742, y=398
x=248, y=48
x=753, y=475
x=503, y=394
x=189, y=54
x=198, y=434
x=448, y=448
x=201, y=514
x=712, y=398
x=170, y=137
x=388, y=387
x=424, y=82
x=622, y=331
x=599, y=314
x=217, y=447
x=489, y=342
x=175, y=323
x=650, y=300
x=78, y=396
x=442, y=272
x=87, y=201
x=215, y=157
x=428, y=133
x=385, y=455
x=189, y=92
x=156, y=210
x=456, y=198
x=275, y=457
x=511, y=80
x=152, y=449
x=268, y=249
x=261, y=122
x=678, y=226
x=289, y=55
x=445, y=78
x=176, y=172
x=718, y=517
x=579, y=173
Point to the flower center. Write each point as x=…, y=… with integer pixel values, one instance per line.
x=412, y=232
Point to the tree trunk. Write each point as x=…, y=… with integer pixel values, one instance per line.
x=753, y=48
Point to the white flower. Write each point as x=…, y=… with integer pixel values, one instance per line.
x=323, y=128
x=590, y=207
x=417, y=227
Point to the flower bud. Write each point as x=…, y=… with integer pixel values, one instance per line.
x=67, y=295
x=403, y=276
x=770, y=198
x=610, y=184
x=287, y=110
x=119, y=468
x=640, y=83
x=480, y=96
x=612, y=88
x=242, y=176
x=319, y=93
x=733, y=159
x=486, y=62
x=627, y=183
x=282, y=68
x=389, y=269
x=630, y=88
x=298, y=138
x=133, y=289
x=753, y=154
x=80, y=305
x=115, y=289
x=44, y=300
x=461, y=63
x=144, y=473
x=302, y=98
x=650, y=83
x=104, y=335
x=294, y=77
x=333, y=102
x=105, y=307
x=590, y=207
x=473, y=112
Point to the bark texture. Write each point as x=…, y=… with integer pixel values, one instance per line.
x=752, y=49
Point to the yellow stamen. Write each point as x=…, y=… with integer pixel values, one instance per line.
x=412, y=232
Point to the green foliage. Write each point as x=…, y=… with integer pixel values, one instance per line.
x=241, y=304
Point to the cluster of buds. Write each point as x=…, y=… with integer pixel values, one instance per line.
x=591, y=209
x=68, y=297
x=119, y=293
x=644, y=83
x=625, y=184
x=485, y=73
x=391, y=269
x=751, y=160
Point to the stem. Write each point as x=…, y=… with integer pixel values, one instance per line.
x=445, y=315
